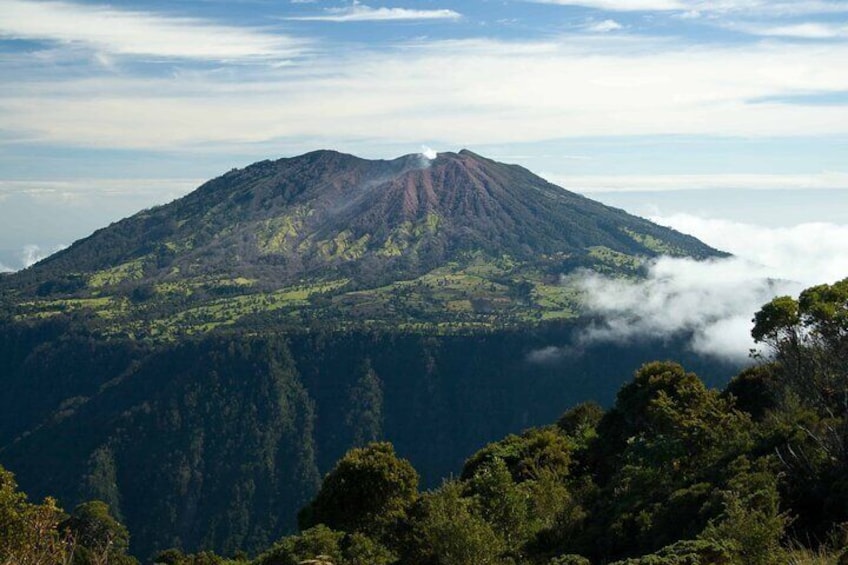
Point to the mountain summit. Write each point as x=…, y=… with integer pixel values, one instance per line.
x=459, y=238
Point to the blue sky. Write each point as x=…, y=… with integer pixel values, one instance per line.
x=108, y=108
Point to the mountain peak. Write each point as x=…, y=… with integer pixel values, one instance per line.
x=332, y=224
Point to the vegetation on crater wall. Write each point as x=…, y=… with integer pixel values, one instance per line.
x=673, y=472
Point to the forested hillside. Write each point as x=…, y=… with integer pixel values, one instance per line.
x=672, y=473
x=200, y=365
x=216, y=442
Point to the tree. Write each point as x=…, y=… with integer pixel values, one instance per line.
x=658, y=459
x=807, y=340
x=323, y=545
x=313, y=543
x=526, y=456
x=100, y=538
x=365, y=415
x=368, y=491
x=447, y=529
x=750, y=524
x=808, y=337
x=29, y=533
x=502, y=503
x=580, y=421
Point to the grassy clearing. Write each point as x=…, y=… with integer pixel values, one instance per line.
x=654, y=244
x=615, y=259
x=105, y=307
x=227, y=311
x=132, y=270
x=276, y=235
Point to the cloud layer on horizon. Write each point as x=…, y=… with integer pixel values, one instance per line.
x=742, y=181
x=715, y=300
x=582, y=85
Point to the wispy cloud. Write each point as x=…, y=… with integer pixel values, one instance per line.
x=357, y=12
x=808, y=30
x=603, y=27
x=642, y=183
x=622, y=5
x=125, y=32
x=714, y=301
x=586, y=86
x=692, y=8
x=160, y=190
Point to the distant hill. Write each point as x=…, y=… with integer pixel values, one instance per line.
x=328, y=237
x=200, y=365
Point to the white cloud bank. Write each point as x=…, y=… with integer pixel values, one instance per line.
x=747, y=181
x=159, y=190
x=716, y=300
x=610, y=85
x=125, y=32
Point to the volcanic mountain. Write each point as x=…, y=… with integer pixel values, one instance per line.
x=200, y=365
x=458, y=239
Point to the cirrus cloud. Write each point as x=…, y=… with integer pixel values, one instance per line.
x=587, y=86
x=126, y=32
x=358, y=12
x=693, y=8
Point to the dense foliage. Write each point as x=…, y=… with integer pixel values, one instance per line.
x=42, y=534
x=672, y=473
x=216, y=443
x=200, y=365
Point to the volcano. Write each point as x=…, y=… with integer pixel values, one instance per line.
x=200, y=365
x=328, y=238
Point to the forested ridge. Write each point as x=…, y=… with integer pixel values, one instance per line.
x=216, y=442
x=673, y=472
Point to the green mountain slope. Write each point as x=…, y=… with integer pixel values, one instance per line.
x=201, y=364
x=325, y=237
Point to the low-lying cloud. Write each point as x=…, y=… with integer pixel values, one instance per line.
x=26, y=257
x=32, y=254
x=714, y=301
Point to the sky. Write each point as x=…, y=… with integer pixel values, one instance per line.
x=724, y=116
